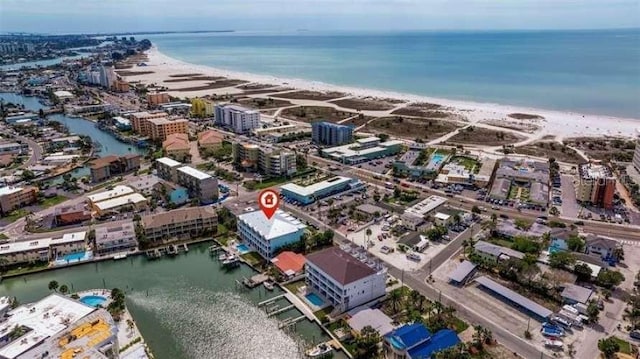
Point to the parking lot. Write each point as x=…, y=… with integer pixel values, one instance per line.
x=381, y=166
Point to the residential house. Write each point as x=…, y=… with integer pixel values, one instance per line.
x=495, y=253
x=267, y=235
x=415, y=341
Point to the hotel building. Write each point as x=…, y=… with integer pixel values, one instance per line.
x=345, y=279
x=180, y=223
x=332, y=134
x=201, y=107
x=200, y=185
x=597, y=185
x=158, y=98
x=237, y=118
x=12, y=198
x=266, y=236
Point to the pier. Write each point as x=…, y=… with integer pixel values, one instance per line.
x=256, y=280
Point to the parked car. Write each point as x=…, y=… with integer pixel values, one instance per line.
x=413, y=257
x=635, y=334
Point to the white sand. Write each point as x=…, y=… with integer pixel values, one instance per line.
x=556, y=123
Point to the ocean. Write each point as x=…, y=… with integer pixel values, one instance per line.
x=593, y=72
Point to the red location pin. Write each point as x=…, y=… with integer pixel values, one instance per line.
x=269, y=201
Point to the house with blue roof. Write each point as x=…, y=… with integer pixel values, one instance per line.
x=413, y=341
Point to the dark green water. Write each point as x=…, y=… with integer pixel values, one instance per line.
x=186, y=306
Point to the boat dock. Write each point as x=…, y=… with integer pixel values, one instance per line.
x=256, y=280
x=172, y=250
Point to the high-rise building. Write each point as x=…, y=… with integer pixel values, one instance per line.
x=597, y=185
x=158, y=98
x=265, y=160
x=636, y=155
x=332, y=134
x=201, y=107
x=237, y=118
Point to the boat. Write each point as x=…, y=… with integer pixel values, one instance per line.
x=553, y=343
x=551, y=330
x=268, y=285
x=172, y=250
x=231, y=261
x=222, y=257
x=120, y=256
x=319, y=351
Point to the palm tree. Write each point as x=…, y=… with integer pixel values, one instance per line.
x=395, y=297
x=487, y=336
x=477, y=336
x=64, y=289
x=53, y=285
x=414, y=297
x=368, y=234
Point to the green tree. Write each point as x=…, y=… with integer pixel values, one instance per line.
x=395, y=297
x=554, y=211
x=583, y=271
x=367, y=344
x=609, y=278
x=64, y=289
x=53, y=285
x=476, y=210
x=593, y=312
x=561, y=259
x=609, y=347
x=575, y=243
x=368, y=233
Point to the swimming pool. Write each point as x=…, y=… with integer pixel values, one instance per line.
x=73, y=257
x=314, y=299
x=93, y=300
x=242, y=248
x=436, y=160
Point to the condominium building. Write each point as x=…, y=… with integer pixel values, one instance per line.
x=246, y=155
x=202, y=107
x=161, y=128
x=14, y=148
x=16, y=197
x=167, y=169
x=139, y=121
x=115, y=239
x=121, y=86
x=200, y=185
x=177, y=146
x=237, y=118
x=332, y=134
x=42, y=250
x=59, y=327
x=636, y=154
x=346, y=278
x=265, y=235
x=158, y=98
x=67, y=244
x=266, y=160
x=597, y=185
x=105, y=168
x=210, y=139
x=180, y=223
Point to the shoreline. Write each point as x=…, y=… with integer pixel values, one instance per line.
x=556, y=123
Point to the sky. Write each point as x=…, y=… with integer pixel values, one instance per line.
x=92, y=16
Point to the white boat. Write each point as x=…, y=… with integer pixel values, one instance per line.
x=222, y=257
x=120, y=256
x=268, y=285
x=319, y=351
x=553, y=343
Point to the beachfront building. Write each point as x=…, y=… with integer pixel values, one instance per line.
x=183, y=223
x=597, y=185
x=331, y=134
x=201, y=185
x=459, y=174
x=202, y=107
x=210, y=139
x=167, y=168
x=177, y=146
x=314, y=192
x=115, y=239
x=59, y=327
x=363, y=150
x=12, y=198
x=158, y=98
x=266, y=236
x=344, y=280
x=421, y=163
x=98, y=74
x=237, y=118
x=521, y=180
x=121, y=86
x=415, y=341
x=105, y=168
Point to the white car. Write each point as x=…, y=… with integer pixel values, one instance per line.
x=571, y=309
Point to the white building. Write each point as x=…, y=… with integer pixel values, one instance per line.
x=68, y=243
x=237, y=118
x=344, y=279
x=167, y=168
x=201, y=185
x=117, y=191
x=266, y=236
x=425, y=206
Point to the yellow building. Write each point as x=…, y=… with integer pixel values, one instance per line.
x=201, y=107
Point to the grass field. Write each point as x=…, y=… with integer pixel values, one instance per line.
x=625, y=347
x=550, y=150
x=48, y=202
x=469, y=163
x=412, y=128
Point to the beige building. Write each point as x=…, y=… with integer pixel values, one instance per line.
x=177, y=146
x=201, y=185
x=246, y=155
x=43, y=250
x=12, y=198
x=265, y=160
x=160, y=128
x=210, y=139
x=139, y=121
x=180, y=223
x=158, y=98
x=67, y=244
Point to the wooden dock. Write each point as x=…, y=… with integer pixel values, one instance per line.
x=256, y=280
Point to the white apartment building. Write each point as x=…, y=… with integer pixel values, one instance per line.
x=277, y=163
x=201, y=185
x=167, y=168
x=237, y=118
x=266, y=236
x=345, y=279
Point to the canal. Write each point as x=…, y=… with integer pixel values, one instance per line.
x=186, y=306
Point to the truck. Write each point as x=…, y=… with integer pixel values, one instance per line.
x=388, y=185
x=582, y=308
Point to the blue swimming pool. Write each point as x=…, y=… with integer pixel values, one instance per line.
x=73, y=257
x=93, y=300
x=243, y=248
x=314, y=299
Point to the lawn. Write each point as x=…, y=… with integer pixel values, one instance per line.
x=500, y=242
x=625, y=347
x=29, y=269
x=293, y=287
x=469, y=163
x=322, y=314
x=48, y=202
x=3, y=236
x=253, y=258
x=17, y=214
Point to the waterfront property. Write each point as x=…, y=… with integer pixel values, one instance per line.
x=157, y=125
x=180, y=224
x=107, y=167
x=122, y=123
x=374, y=318
x=597, y=185
x=177, y=147
x=363, y=150
x=266, y=236
x=59, y=327
x=14, y=148
x=43, y=250
x=413, y=341
x=331, y=134
x=12, y=198
x=237, y=118
x=200, y=185
x=345, y=279
x=158, y=98
x=167, y=168
x=314, y=192
x=115, y=239
x=289, y=264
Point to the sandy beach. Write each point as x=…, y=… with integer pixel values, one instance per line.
x=161, y=68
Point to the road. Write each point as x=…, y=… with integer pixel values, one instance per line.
x=36, y=151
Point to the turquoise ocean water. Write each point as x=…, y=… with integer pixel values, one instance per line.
x=595, y=72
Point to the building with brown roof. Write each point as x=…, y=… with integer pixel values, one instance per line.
x=346, y=277
x=16, y=197
x=74, y=214
x=181, y=223
x=158, y=98
x=289, y=263
x=160, y=128
x=210, y=139
x=177, y=146
x=106, y=167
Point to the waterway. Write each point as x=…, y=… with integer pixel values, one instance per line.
x=43, y=63
x=186, y=306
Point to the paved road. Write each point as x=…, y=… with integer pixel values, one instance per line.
x=36, y=151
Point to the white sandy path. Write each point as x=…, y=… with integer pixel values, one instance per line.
x=556, y=123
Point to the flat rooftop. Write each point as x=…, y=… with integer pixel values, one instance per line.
x=425, y=206
x=190, y=171
x=514, y=297
x=316, y=187
x=117, y=191
x=169, y=162
x=9, y=190
x=22, y=246
x=133, y=198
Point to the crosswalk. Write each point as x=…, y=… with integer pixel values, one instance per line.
x=629, y=243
